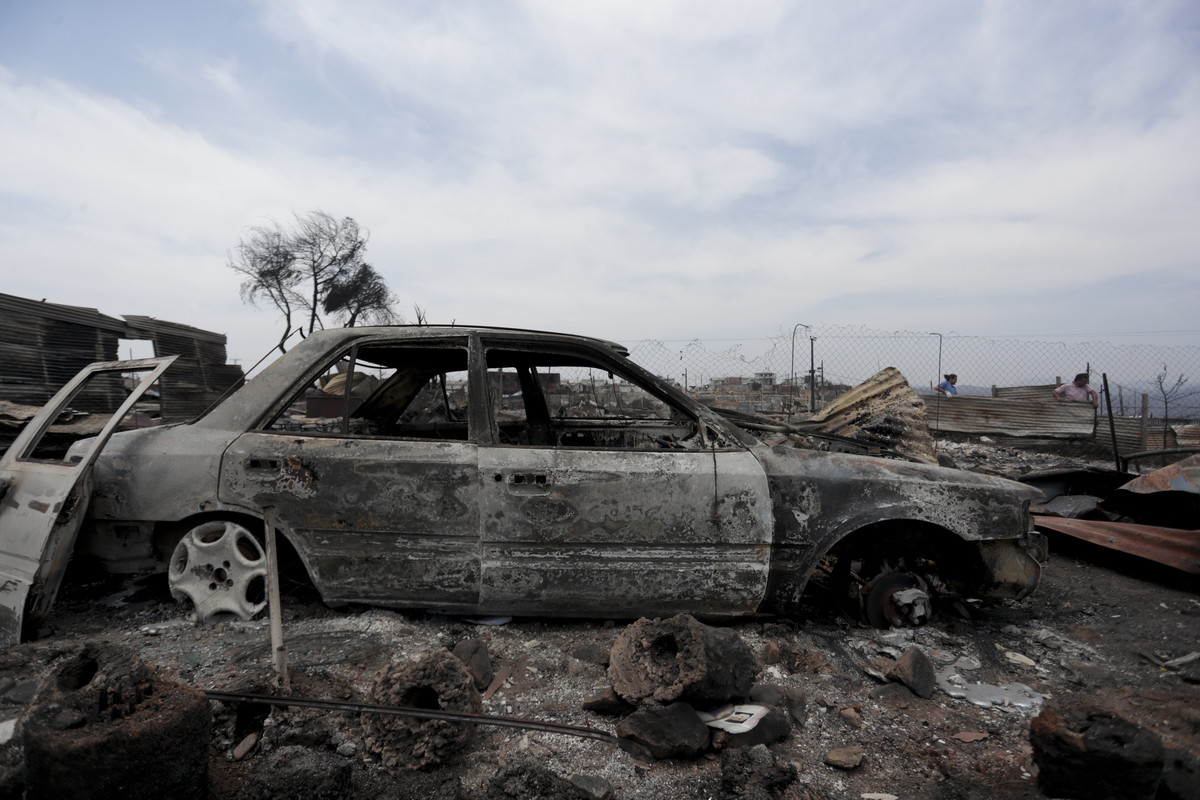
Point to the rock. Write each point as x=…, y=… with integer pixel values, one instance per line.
x=851, y=717
x=296, y=771
x=789, y=698
x=592, y=653
x=591, y=787
x=754, y=772
x=436, y=681
x=1181, y=776
x=245, y=746
x=671, y=732
x=772, y=654
x=6, y=685
x=1089, y=754
x=525, y=778
x=22, y=692
x=347, y=750
x=844, y=757
x=914, y=670
x=474, y=654
x=776, y=724
x=608, y=703
x=681, y=659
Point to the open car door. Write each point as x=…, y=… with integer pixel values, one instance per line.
x=42, y=502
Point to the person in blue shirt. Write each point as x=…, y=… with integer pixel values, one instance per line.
x=946, y=387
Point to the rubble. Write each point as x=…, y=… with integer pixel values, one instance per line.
x=680, y=658
x=436, y=681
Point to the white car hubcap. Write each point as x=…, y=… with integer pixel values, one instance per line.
x=222, y=569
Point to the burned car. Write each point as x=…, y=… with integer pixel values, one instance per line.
x=530, y=473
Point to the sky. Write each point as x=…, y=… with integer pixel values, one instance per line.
x=632, y=169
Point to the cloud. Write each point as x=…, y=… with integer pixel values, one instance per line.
x=633, y=169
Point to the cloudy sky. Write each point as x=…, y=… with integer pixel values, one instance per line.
x=628, y=169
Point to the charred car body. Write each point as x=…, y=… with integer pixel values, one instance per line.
x=457, y=475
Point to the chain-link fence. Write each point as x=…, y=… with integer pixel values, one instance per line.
x=812, y=365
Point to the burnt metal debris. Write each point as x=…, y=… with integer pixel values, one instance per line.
x=1151, y=516
x=484, y=474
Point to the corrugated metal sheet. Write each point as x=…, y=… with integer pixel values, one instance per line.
x=1171, y=546
x=884, y=411
x=199, y=376
x=1026, y=392
x=1129, y=434
x=992, y=415
x=44, y=345
x=1182, y=476
x=77, y=315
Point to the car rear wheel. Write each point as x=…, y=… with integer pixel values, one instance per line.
x=222, y=569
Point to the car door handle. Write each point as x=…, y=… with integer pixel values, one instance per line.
x=262, y=464
x=526, y=483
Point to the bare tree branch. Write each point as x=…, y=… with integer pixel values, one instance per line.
x=315, y=267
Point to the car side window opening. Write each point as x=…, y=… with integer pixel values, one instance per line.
x=542, y=399
x=384, y=391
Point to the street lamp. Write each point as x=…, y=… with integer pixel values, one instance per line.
x=812, y=397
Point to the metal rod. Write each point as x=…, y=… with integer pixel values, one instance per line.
x=278, y=651
x=797, y=326
x=1112, y=425
x=420, y=713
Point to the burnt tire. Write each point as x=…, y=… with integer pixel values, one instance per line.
x=436, y=681
x=121, y=734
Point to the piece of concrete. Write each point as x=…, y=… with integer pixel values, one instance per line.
x=672, y=732
x=914, y=670
x=681, y=659
x=435, y=681
x=845, y=757
x=591, y=787
x=608, y=703
x=474, y=654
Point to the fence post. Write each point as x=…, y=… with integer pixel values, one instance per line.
x=1145, y=419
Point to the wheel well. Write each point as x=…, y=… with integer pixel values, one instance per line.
x=954, y=560
x=168, y=534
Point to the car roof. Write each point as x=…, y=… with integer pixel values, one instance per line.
x=437, y=331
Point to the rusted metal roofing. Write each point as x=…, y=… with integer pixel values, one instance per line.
x=1182, y=476
x=1175, y=548
x=992, y=415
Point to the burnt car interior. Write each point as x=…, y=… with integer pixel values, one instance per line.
x=421, y=392
x=528, y=409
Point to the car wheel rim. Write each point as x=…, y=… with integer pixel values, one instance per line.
x=222, y=569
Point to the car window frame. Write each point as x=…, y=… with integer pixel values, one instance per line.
x=350, y=350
